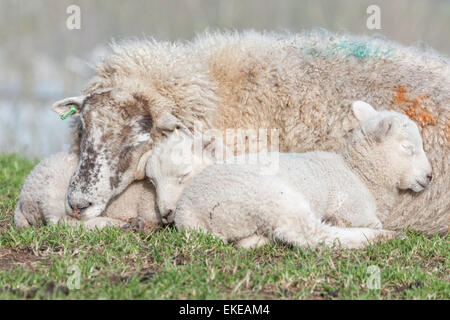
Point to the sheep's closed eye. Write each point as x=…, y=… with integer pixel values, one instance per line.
x=409, y=148
x=152, y=181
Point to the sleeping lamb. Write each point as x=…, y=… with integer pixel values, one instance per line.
x=43, y=196
x=239, y=204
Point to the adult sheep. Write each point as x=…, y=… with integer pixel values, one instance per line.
x=301, y=84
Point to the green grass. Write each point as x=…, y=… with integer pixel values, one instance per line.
x=39, y=263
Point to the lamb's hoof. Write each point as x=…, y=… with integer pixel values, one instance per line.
x=385, y=236
x=390, y=235
x=125, y=226
x=400, y=235
x=136, y=224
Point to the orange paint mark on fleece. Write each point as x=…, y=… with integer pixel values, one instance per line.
x=411, y=107
x=400, y=96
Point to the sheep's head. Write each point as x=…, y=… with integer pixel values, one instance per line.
x=115, y=131
x=391, y=146
x=176, y=159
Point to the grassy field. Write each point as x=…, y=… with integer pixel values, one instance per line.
x=51, y=262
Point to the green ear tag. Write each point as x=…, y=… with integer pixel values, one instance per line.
x=71, y=111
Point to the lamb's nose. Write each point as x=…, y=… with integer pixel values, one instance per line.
x=168, y=216
x=171, y=216
x=429, y=177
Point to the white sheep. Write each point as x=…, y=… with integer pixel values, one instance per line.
x=358, y=188
x=43, y=195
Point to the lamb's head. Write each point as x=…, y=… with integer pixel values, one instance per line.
x=175, y=160
x=389, y=143
x=115, y=131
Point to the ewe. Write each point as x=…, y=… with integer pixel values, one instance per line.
x=43, y=196
x=237, y=203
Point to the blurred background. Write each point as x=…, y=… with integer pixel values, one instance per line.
x=42, y=61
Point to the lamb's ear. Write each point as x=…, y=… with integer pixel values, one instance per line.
x=213, y=148
x=363, y=111
x=382, y=129
x=168, y=123
x=139, y=174
x=62, y=107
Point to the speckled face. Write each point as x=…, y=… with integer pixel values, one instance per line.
x=115, y=132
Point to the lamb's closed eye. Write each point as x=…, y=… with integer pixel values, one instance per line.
x=408, y=147
x=183, y=177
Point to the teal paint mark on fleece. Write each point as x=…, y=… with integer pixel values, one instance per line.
x=362, y=51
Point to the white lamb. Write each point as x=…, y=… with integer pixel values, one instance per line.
x=239, y=204
x=43, y=196
x=176, y=159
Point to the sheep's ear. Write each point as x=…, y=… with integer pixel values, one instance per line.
x=63, y=107
x=139, y=174
x=363, y=111
x=168, y=123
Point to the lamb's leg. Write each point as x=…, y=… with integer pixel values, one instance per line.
x=28, y=213
x=19, y=218
x=355, y=238
x=103, y=222
x=96, y=223
x=254, y=241
x=302, y=228
x=187, y=221
x=350, y=238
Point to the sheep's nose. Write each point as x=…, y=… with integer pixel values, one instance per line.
x=75, y=204
x=429, y=177
x=79, y=203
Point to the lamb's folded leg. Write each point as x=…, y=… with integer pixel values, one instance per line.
x=354, y=238
x=102, y=222
x=28, y=213
x=20, y=219
x=305, y=230
x=254, y=241
x=96, y=223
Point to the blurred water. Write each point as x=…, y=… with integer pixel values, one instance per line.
x=30, y=127
x=41, y=61
x=27, y=124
